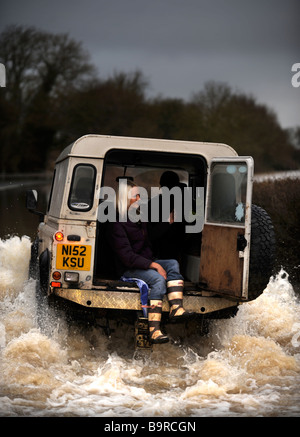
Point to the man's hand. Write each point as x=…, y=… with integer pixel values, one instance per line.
x=159, y=269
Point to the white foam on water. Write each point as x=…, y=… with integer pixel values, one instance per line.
x=248, y=365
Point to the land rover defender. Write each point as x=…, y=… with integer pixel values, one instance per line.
x=226, y=252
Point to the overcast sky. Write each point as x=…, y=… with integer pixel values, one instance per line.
x=181, y=44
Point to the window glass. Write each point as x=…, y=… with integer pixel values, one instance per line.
x=228, y=193
x=82, y=188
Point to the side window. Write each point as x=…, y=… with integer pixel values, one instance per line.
x=82, y=188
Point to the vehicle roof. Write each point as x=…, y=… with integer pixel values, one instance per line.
x=96, y=146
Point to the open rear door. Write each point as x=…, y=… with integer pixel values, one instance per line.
x=225, y=249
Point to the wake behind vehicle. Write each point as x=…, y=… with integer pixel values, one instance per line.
x=226, y=251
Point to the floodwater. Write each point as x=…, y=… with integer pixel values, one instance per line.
x=246, y=366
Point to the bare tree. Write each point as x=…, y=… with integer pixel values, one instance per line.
x=40, y=68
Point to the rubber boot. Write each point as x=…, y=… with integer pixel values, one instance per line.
x=175, y=298
x=154, y=319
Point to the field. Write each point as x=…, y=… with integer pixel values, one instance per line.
x=281, y=199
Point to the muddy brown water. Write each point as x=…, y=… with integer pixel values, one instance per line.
x=246, y=366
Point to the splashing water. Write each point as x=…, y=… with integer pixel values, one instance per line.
x=248, y=365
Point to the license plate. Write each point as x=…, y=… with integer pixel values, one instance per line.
x=73, y=257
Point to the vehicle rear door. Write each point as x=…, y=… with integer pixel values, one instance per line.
x=225, y=249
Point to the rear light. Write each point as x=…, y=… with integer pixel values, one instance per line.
x=56, y=276
x=55, y=284
x=59, y=236
x=71, y=277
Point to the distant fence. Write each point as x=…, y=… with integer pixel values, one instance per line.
x=289, y=174
x=10, y=181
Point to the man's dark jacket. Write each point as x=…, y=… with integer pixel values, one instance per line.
x=130, y=245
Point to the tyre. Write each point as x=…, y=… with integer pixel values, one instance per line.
x=262, y=252
x=39, y=270
x=33, y=264
x=44, y=270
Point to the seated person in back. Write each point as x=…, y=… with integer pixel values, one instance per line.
x=167, y=237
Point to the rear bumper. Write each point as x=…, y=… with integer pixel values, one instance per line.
x=129, y=299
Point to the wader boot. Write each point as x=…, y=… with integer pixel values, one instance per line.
x=154, y=318
x=175, y=298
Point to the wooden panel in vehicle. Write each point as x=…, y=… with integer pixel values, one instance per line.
x=221, y=268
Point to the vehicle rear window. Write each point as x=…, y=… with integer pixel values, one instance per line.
x=228, y=193
x=82, y=188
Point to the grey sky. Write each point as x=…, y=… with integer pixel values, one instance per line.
x=181, y=44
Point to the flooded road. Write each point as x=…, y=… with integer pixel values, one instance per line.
x=246, y=366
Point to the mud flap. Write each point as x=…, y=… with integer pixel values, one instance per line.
x=142, y=334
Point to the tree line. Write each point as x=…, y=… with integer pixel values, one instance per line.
x=53, y=95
